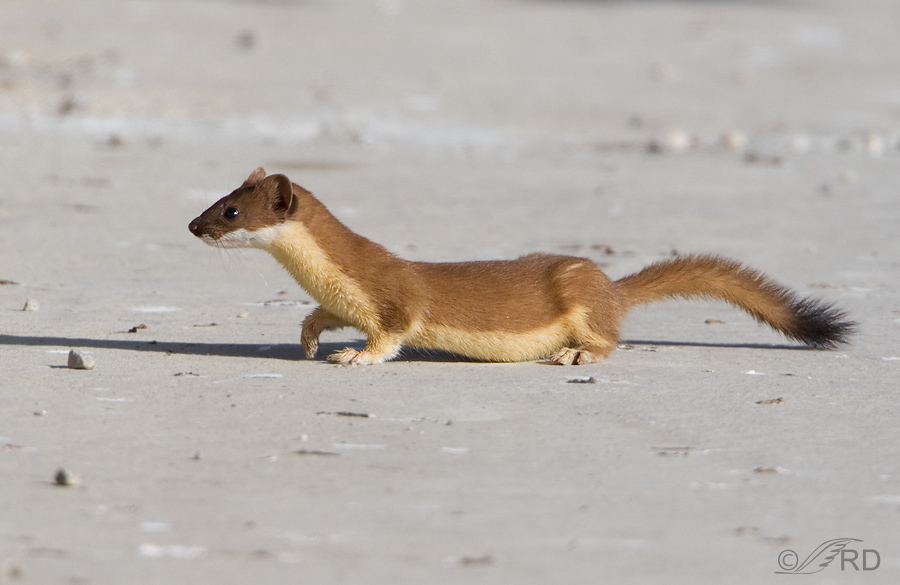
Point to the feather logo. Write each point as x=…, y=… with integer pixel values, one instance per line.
x=816, y=561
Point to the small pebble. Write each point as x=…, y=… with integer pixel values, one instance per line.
x=80, y=361
x=875, y=144
x=115, y=140
x=246, y=40
x=679, y=141
x=769, y=469
x=734, y=140
x=654, y=147
x=243, y=315
x=67, y=106
x=66, y=478
x=14, y=572
x=31, y=305
x=40, y=412
x=778, y=400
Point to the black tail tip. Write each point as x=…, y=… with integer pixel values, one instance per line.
x=821, y=325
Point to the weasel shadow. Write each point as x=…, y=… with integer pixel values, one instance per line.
x=280, y=351
x=716, y=344
x=294, y=351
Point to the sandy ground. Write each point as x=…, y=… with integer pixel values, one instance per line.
x=209, y=451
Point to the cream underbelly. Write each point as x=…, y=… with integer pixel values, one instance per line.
x=492, y=345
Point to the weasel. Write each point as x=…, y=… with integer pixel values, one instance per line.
x=539, y=306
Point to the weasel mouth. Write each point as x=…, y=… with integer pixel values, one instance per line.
x=236, y=239
x=221, y=242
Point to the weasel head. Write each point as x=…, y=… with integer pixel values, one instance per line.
x=249, y=216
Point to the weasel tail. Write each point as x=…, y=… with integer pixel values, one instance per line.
x=810, y=321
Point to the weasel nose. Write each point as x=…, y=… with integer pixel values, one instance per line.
x=194, y=227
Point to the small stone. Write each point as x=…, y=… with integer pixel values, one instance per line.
x=14, y=572
x=243, y=315
x=31, y=305
x=116, y=140
x=875, y=144
x=588, y=380
x=66, y=478
x=679, y=141
x=80, y=361
x=734, y=140
x=67, y=106
x=40, y=412
x=778, y=400
x=654, y=147
x=245, y=40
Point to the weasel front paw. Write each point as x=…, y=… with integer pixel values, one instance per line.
x=354, y=357
x=310, y=343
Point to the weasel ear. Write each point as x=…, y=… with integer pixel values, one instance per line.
x=282, y=192
x=255, y=177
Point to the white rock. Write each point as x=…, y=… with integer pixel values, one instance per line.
x=31, y=305
x=679, y=141
x=80, y=361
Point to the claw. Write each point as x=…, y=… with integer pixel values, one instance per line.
x=354, y=357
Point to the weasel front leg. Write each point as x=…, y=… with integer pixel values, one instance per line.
x=378, y=348
x=315, y=323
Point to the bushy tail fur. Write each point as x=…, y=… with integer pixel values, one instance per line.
x=811, y=321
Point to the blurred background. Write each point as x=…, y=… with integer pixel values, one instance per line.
x=460, y=73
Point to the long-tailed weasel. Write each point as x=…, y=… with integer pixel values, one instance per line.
x=538, y=306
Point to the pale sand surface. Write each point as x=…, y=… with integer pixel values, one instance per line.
x=446, y=131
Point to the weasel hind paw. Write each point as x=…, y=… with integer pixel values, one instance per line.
x=354, y=357
x=574, y=357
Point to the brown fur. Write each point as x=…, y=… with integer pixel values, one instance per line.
x=534, y=307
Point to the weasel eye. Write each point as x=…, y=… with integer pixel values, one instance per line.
x=231, y=213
